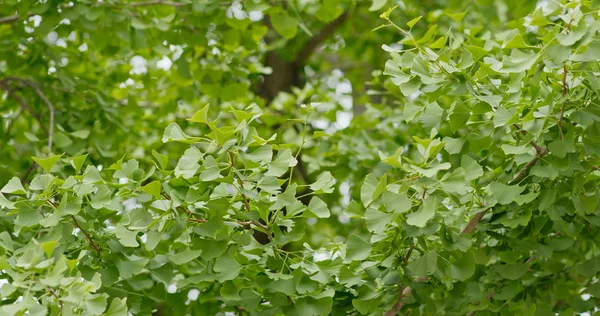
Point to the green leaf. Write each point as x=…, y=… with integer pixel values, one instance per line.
x=83, y=134
x=357, y=249
x=13, y=186
x=386, y=14
x=516, y=41
x=397, y=203
x=5, y=203
x=505, y=194
x=201, y=116
x=281, y=163
x=513, y=271
x=187, y=166
x=126, y=237
x=163, y=160
x=455, y=182
x=263, y=154
x=318, y=207
x=70, y=207
x=377, y=5
x=439, y=43
x=49, y=247
x=424, y=213
x=591, y=52
x=366, y=306
x=472, y=169
x=518, y=61
x=372, y=189
x=41, y=182
x=585, y=204
x=77, y=162
x=118, y=307
x=174, y=133
x=464, y=267
x=414, y=21
x=152, y=188
x=185, y=256
x=102, y=198
x=131, y=266
x=503, y=117
x=97, y=304
x=425, y=265
x=284, y=24
x=571, y=36
x=307, y=306
x=227, y=267
x=324, y=184
x=48, y=162
x=376, y=220
x=558, y=148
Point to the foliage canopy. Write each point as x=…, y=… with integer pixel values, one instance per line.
x=299, y=157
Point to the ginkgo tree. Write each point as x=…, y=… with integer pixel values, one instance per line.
x=333, y=157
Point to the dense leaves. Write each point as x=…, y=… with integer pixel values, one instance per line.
x=257, y=158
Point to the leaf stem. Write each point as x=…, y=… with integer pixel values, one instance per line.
x=564, y=97
x=87, y=236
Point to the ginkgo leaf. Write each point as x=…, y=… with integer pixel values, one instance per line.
x=48, y=162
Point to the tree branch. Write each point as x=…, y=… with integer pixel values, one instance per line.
x=38, y=91
x=540, y=151
x=523, y=172
x=23, y=104
x=562, y=109
x=316, y=40
x=489, y=297
x=9, y=19
x=27, y=172
x=472, y=225
x=399, y=303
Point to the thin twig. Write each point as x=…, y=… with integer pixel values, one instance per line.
x=489, y=297
x=539, y=149
x=9, y=19
x=55, y=296
x=23, y=104
x=399, y=303
x=27, y=172
x=11, y=124
x=410, y=250
x=42, y=96
x=240, y=182
x=197, y=220
x=50, y=108
x=38, y=91
x=472, y=225
x=92, y=243
x=564, y=97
